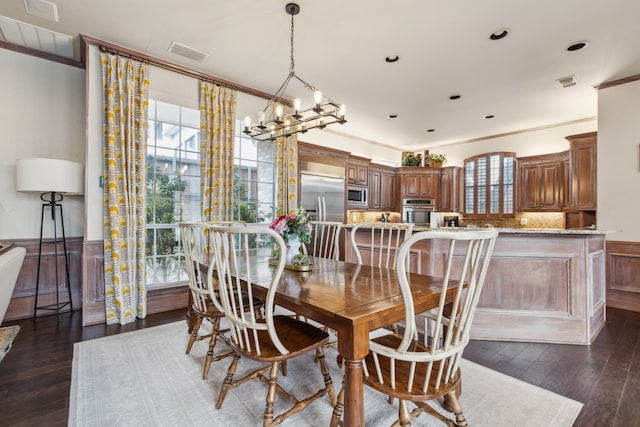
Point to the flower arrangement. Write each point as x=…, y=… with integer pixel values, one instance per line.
x=295, y=224
x=290, y=227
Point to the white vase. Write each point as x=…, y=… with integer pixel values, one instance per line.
x=293, y=248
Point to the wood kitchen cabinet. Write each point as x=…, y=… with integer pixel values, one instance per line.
x=420, y=182
x=382, y=188
x=541, y=182
x=583, y=149
x=358, y=170
x=450, y=187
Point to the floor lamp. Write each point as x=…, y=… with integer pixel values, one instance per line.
x=51, y=178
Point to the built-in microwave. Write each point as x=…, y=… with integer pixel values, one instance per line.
x=357, y=197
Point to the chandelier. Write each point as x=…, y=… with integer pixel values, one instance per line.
x=274, y=122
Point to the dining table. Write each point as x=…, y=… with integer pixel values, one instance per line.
x=351, y=299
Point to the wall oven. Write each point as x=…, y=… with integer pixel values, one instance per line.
x=418, y=211
x=357, y=197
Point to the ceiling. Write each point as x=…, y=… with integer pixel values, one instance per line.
x=340, y=47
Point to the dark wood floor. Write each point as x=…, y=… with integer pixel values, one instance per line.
x=35, y=375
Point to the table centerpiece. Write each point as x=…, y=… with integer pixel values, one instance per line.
x=295, y=230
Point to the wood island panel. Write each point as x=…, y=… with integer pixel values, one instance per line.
x=546, y=286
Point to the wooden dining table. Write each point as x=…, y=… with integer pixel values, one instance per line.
x=351, y=299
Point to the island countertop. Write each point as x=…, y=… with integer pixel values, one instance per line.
x=552, y=231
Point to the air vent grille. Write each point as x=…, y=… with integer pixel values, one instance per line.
x=187, y=52
x=43, y=9
x=567, y=81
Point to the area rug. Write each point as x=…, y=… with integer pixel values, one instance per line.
x=7, y=334
x=143, y=378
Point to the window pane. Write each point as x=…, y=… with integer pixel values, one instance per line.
x=173, y=188
x=167, y=112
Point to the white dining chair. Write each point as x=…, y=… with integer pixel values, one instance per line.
x=381, y=242
x=404, y=367
x=271, y=340
x=195, y=246
x=325, y=240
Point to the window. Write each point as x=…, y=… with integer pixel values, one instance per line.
x=173, y=185
x=254, y=182
x=489, y=185
x=173, y=188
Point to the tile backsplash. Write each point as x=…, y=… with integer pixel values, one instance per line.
x=547, y=220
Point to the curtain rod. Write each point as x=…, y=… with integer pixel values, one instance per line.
x=104, y=46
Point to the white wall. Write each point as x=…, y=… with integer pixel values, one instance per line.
x=42, y=109
x=619, y=161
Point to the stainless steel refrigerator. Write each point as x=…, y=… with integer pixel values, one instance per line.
x=322, y=192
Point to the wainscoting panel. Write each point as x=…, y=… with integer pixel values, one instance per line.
x=623, y=275
x=23, y=300
x=93, y=312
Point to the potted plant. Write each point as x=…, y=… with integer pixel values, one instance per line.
x=410, y=159
x=435, y=160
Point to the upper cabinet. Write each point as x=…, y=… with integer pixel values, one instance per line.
x=420, y=182
x=450, y=184
x=541, y=182
x=583, y=149
x=358, y=171
x=382, y=187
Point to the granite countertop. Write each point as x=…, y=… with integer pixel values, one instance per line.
x=553, y=231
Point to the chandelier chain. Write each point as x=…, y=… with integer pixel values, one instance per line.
x=292, y=71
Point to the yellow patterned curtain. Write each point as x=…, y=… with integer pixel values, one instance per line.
x=125, y=83
x=217, y=126
x=287, y=173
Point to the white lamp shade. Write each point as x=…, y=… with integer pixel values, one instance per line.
x=47, y=175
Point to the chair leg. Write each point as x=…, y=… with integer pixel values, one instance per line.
x=228, y=381
x=453, y=405
x=215, y=325
x=194, y=334
x=338, y=408
x=404, y=414
x=271, y=395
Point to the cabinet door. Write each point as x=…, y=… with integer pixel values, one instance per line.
x=450, y=189
x=551, y=183
x=387, y=191
x=352, y=174
x=429, y=184
x=541, y=183
x=375, y=191
x=411, y=185
x=529, y=187
x=583, y=173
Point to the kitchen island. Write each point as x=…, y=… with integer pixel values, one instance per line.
x=543, y=285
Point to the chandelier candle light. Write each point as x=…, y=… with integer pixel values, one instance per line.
x=274, y=123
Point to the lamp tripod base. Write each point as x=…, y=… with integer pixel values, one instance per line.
x=53, y=202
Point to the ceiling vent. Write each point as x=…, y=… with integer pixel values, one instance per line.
x=43, y=9
x=567, y=81
x=187, y=52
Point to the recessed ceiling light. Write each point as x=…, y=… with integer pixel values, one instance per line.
x=392, y=58
x=489, y=116
x=431, y=130
x=577, y=46
x=500, y=34
x=453, y=97
x=392, y=116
